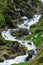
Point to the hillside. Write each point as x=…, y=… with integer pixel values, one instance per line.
x=12, y=11
x=21, y=32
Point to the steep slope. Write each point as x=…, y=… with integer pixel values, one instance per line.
x=3, y=5
x=17, y=8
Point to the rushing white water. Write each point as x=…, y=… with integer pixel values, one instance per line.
x=41, y=35
x=41, y=1
x=15, y=60
x=28, y=44
x=7, y=35
x=27, y=23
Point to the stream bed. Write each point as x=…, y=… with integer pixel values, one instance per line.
x=7, y=36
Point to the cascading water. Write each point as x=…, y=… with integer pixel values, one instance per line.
x=7, y=35
x=28, y=22
x=41, y=1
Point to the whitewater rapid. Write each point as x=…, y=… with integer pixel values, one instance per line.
x=41, y=1
x=28, y=22
x=7, y=36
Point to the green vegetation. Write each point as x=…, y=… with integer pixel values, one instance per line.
x=10, y=49
x=20, y=32
x=17, y=8
x=38, y=26
x=37, y=38
x=10, y=14
x=3, y=5
x=3, y=42
x=24, y=48
x=37, y=34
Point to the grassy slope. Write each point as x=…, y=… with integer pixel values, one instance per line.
x=38, y=40
x=3, y=42
x=3, y=4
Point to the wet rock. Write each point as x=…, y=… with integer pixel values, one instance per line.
x=20, y=32
x=30, y=54
x=6, y=56
x=16, y=47
x=1, y=59
x=12, y=57
x=29, y=43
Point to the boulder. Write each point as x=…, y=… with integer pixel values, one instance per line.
x=29, y=43
x=6, y=56
x=30, y=54
x=1, y=59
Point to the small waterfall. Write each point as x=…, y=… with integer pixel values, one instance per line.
x=28, y=22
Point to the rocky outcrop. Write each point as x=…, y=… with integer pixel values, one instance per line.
x=20, y=32
x=30, y=55
x=16, y=47
x=17, y=8
x=11, y=51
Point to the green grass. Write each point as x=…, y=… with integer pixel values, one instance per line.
x=37, y=26
x=3, y=5
x=3, y=42
x=25, y=63
x=2, y=20
x=36, y=38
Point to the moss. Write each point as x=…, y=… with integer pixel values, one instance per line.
x=3, y=5
x=24, y=49
x=3, y=42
